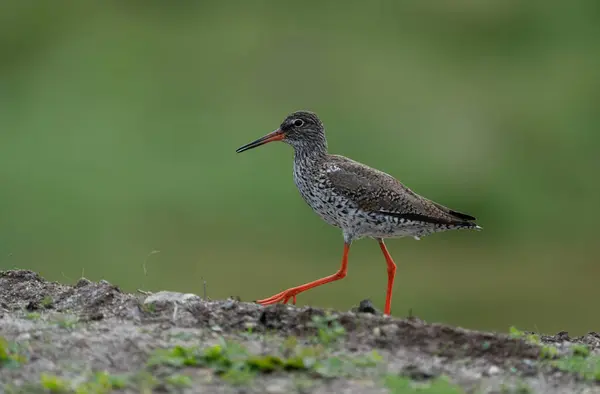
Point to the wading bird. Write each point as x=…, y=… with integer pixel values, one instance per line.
x=360, y=200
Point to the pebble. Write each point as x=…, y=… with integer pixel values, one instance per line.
x=493, y=370
x=24, y=337
x=171, y=297
x=277, y=387
x=390, y=330
x=82, y=282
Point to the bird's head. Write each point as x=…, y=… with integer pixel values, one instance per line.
x=301, y=129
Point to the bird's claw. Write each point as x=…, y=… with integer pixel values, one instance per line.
x=283, y=297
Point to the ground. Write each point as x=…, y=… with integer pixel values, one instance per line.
x=94, y=338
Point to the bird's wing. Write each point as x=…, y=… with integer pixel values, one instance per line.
x=375, y=191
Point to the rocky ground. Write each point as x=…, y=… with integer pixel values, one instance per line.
x=93, y=338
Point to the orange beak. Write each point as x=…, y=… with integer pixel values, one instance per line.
x=277, y=135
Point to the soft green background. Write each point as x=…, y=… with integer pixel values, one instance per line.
x=119, y=122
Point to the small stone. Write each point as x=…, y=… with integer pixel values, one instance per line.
x=95, y=316
x=563, y=335
x=493, y=370
x=24, y=337
x=377, y=332
x=249, y=325
x=366, y=306
x=173, y=297
x=229, y=304
x=390, y=330
x=104, y=282
x=277, y=387
x=418, y=374
x=82, y=282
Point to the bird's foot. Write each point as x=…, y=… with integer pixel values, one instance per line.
x=283, y=297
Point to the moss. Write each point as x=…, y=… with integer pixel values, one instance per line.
x=47, y=302
x=236, y=364
x=54, y=384
x=268, y=363
x=101, y=383
x=580, y=350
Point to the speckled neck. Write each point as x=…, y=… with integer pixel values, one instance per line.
x=308, y=153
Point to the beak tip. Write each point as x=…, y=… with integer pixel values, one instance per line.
x=277, y=135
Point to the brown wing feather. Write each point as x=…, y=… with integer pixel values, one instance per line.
x=376, y=191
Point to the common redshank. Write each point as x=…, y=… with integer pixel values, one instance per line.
x=360, y=200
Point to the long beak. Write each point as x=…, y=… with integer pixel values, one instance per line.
x=277, y=135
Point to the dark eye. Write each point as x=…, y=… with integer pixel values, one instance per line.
x=298, y=122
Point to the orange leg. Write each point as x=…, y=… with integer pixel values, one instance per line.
x=391, y=269
x=285, y=295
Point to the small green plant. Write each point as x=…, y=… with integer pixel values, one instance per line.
x=586, y=367
x=102, y=382
x=514, y=332
x=149, y=308
x=522, y=388
x=47, y=302
x=403, y=385
x=67, y=322
x=9, y=354
x=548, y=352
x=236, y=364
x=145, y=382
x=328, y=328
x=178, y=380
x=368, y=360
x=33, y=316
x=580, y=350
x=54, y=384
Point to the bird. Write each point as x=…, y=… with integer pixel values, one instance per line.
x=360, y=200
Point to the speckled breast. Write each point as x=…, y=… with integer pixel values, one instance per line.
x=319, y=196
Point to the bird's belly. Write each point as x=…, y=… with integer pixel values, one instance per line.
x=361, y=224
x=341, y=212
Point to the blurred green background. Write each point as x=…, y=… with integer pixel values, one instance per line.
x=119, y=122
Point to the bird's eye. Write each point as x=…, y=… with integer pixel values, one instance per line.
x=298, y=122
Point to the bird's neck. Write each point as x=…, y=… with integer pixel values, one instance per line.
x=311, y=153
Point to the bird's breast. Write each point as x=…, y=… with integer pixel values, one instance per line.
x=316, y=190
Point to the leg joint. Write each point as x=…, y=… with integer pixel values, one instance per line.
x=391, y=268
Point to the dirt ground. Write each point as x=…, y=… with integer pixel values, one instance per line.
x=93, y=338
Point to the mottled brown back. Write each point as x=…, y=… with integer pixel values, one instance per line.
x=375, y=191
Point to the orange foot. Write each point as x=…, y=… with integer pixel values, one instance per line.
x=283, y=297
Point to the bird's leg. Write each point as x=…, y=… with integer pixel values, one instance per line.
x=391, y=269
x=285, y=295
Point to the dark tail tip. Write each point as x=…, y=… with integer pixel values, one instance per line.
x=462, y=216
